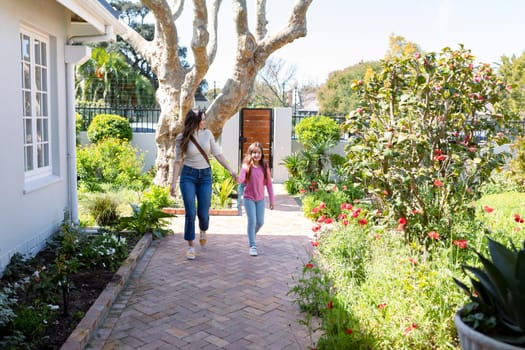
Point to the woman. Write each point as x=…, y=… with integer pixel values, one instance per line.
x=195, y=174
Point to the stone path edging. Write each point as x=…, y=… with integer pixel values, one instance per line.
x=79, y=338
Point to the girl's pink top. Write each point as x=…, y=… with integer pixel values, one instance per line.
x=254, y=188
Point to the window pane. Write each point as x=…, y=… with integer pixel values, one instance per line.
x=29, y=158
x=44, y=105
x=28, y=130
x=39, y=130
x=44, y=53
x=27, y=104
x=37, y=51
x=46, y=154
x=39, y=156
x=38, y=78
x=45, y=130
x=26, y=76
x=44, y=79
x=25, y=42
x=38, y=102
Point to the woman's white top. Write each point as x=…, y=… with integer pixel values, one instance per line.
x=193, y=157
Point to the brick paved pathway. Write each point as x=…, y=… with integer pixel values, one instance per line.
x=224, y=299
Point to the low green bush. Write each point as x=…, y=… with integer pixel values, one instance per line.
x=106, y=126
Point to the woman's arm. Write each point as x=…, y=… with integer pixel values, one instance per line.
x=177, y=166
x=222, y=161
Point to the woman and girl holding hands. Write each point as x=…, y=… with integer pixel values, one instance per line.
x=193, y=147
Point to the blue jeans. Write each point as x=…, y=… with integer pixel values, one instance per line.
x=255, y=214
x=195, y=183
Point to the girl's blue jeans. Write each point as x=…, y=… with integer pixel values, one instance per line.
x=255, y=214
x=195, y=184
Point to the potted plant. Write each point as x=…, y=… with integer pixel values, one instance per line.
x=495, y=316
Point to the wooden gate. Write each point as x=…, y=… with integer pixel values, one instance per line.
x=256, y=124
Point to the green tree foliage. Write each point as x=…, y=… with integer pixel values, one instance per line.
x=107, y=77
x=415, y=145
x=336, y=95
x=399, y=46
x=109, y=125
x=513, y=71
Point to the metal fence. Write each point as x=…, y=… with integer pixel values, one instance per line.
x=141, y=118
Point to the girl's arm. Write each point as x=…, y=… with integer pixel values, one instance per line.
x=269, y=187
x=242, y=175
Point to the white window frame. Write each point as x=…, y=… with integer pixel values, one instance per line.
x=36, y=108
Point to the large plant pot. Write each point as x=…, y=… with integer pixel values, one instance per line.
x=471, y=339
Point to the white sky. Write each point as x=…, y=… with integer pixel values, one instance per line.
x=343, y=32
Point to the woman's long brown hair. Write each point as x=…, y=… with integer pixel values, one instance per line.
x=248, y=160
x=191, y=123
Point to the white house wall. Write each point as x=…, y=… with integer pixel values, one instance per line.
x=29, y=214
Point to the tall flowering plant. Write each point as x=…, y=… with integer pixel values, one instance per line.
x=416, y=142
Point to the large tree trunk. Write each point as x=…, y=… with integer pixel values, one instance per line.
x=177, y=84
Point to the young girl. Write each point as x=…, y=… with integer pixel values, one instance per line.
x=255, y=174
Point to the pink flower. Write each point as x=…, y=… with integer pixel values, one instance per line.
x=402, y=221
x=322, y=205
x=362, y=222
x=433, y=235
x=316, y=227
x=345, y=222
x=438, y=183
x=413, y=261
x=315, y=210
x=381, y=306
x=460, y=243
x=328, y=221
x=314, y=243
x=440, y=157
x=302, y=191
x=321, y=219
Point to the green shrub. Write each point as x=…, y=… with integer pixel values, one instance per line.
x=317, y=129
x=109, y=126
x=517, y=164
x=159, y=196
x=110, y=161
x=104, y=210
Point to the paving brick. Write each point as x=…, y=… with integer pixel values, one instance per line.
x=224, y=299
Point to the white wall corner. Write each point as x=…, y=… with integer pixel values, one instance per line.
x=77, y=54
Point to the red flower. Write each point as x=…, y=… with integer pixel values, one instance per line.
x=413, y=261
x=314, y=243
x=356, y=212
x=302, y=191
x=402, y=221
x=341, y=216
x=438, y=152
x=381, y=306
x=330, y=305
x=321, y=219
x=440, y=158
x=488, y=209
x=322, y=205
x=349, y=331
x=315, y=210
x=328, y=220
x=438, y=183
x=409, y=329
x=460, y=243
x=345, y=222
x=518, y=218
x=316, y=228
x=309, y=266
x=362, y=222
x=433, y=235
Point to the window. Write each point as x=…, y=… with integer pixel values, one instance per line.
x=35, y=104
